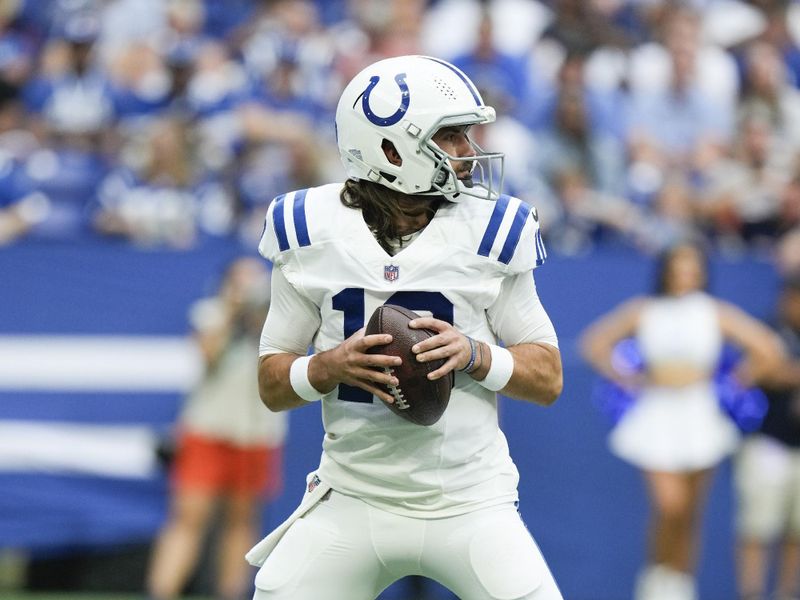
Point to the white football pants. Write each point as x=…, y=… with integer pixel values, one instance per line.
x=345, y=549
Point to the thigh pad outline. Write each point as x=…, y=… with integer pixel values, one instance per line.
x=506, y=560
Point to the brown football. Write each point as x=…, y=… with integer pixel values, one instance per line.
x=417, y=399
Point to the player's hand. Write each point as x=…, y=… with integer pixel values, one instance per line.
x=349, y=363
x=449, y=344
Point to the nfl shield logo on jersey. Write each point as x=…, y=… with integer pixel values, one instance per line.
x=391, y=272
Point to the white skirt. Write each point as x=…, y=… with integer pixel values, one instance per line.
x=675, y=430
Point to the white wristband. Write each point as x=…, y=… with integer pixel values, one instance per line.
x=501, y=369
x=298, y=377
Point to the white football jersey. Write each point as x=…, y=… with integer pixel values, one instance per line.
x=454, y=271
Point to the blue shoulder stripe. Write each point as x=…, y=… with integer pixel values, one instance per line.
x=541, y=253
x=514, y=233
x=299, y=217
x=300, y=224
x=490, y=234
x=279, y=222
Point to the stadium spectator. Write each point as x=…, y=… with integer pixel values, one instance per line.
x=67, y=170
x=744, y=195
x=70, y=110
x=18, y=46
x=224, y=19
x=581, y=27
x=228, y=447
x=378, y=29
x=680, y=115
x=768, y=473
x=185, y=23
x=71, y=91
x=571, y=143
x=605, y=106
x=673, y=218
x=161, y=197
x=284, y=88
x=451, y=27
x=678, y=44
x=21, y=208
x=128, y=22
x=141, y=83
x=290, y=55
x=218, y=82
x=583, y=164
x=670, y=219
x=782, y=34
x=766, y=90
x=501, y=77
x=669, y=126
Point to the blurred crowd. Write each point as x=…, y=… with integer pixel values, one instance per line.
x=633, y=122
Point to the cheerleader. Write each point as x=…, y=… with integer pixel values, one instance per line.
x=676, y=431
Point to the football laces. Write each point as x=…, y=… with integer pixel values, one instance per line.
x=396, y=392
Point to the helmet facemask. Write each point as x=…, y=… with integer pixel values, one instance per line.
x=486, y=168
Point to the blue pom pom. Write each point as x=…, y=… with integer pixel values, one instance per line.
x=609, y=397
x=745, y=406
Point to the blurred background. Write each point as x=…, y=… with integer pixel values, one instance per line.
x=141, y=142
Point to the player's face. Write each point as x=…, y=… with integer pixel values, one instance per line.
x=455, y=142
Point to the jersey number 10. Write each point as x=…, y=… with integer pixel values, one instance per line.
x=351, y=302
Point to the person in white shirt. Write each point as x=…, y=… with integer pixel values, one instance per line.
x=420, y=222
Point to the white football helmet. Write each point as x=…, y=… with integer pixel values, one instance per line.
x=406, y=100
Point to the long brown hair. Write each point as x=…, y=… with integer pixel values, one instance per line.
x=664, y=263
x=380, y=207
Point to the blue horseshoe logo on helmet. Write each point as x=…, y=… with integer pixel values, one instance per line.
x=400, y=79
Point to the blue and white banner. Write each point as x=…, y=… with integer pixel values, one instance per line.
x=95, y=360
x=104, y=363
x=109, y=366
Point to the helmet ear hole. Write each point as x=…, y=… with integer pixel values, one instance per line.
x=392, y=155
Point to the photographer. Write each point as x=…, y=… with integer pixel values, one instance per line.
x=228, y=447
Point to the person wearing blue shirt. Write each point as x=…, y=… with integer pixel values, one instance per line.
x=499, y=75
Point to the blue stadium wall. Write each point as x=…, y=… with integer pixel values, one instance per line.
x=586, y=509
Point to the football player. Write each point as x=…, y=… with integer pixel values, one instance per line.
x=420, y=222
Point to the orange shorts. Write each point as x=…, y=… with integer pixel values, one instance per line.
x=211, y=465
